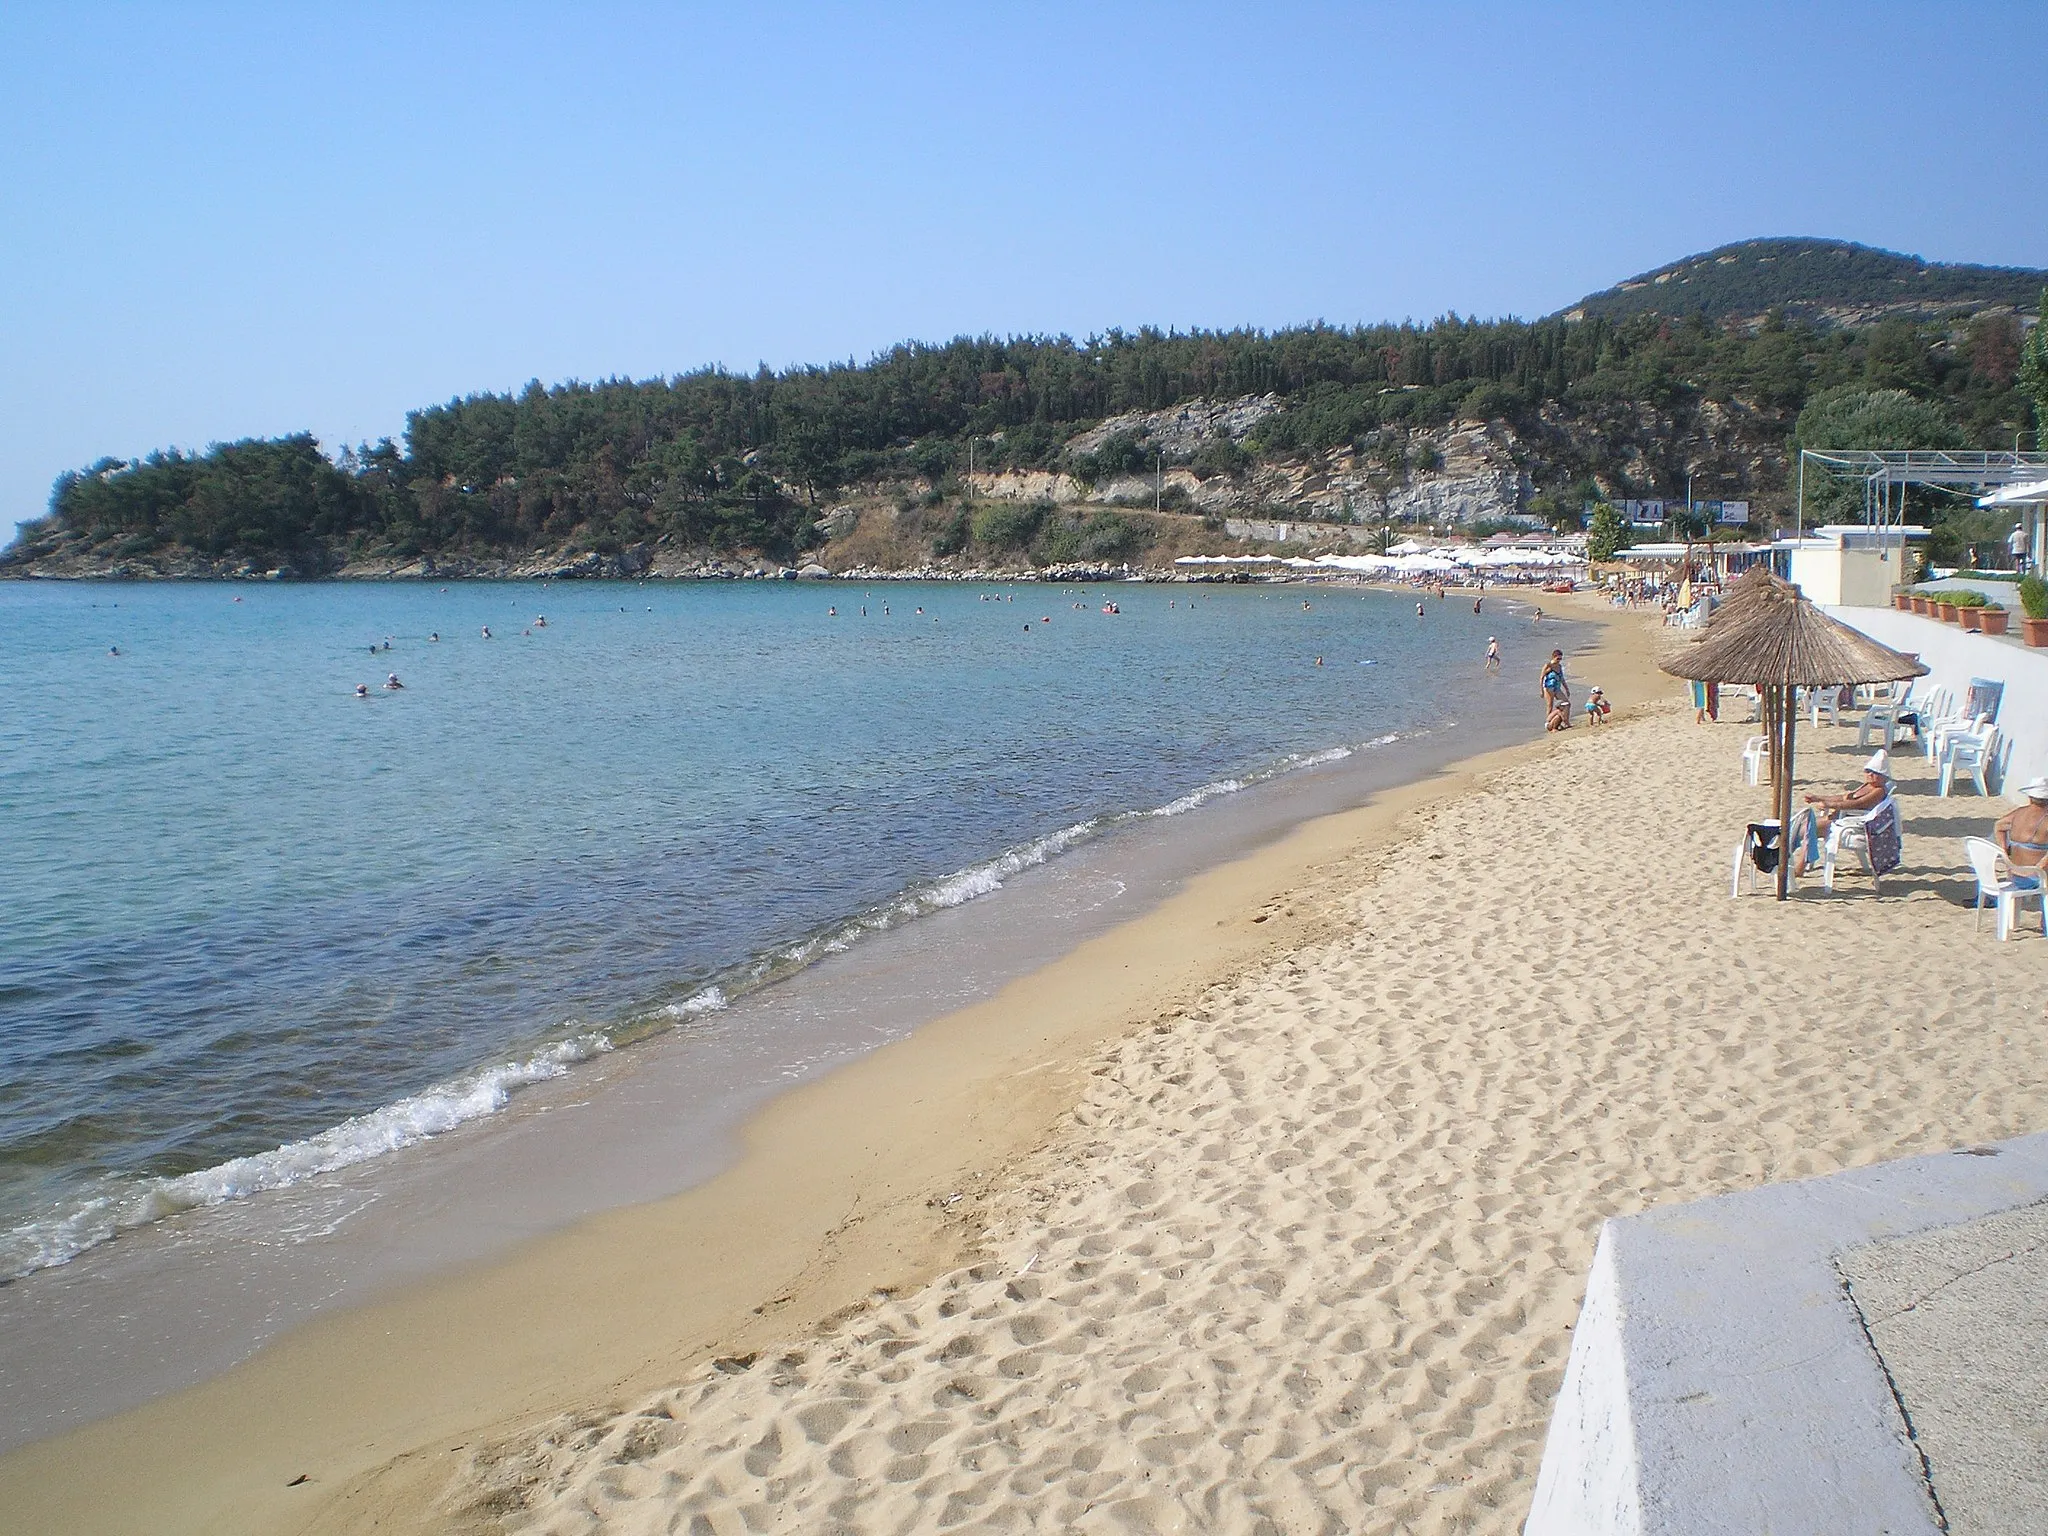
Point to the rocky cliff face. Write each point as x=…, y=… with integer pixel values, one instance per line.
x=1461, y=473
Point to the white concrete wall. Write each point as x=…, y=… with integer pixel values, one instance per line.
x=1955, y=656
x=1721, y=1383
x=1587, y=1482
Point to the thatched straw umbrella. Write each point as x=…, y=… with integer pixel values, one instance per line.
x=1753, y=588
x=1779, y=642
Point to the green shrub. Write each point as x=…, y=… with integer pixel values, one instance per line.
x=951, y=536
x=1007, y=525
x=2034, y=597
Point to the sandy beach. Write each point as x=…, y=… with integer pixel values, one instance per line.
x=1265, y=1212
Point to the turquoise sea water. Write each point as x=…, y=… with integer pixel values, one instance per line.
x=257, y=927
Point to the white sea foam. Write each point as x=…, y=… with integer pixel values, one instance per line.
x=473, y=1095
x=432, y=1112
x=710, y=1000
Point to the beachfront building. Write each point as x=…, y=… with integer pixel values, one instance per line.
x=1848, y=564
x=2028, y=501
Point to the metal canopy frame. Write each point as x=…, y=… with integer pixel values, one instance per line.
x=1886, y=472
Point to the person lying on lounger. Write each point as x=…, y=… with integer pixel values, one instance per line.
x=1859, y=797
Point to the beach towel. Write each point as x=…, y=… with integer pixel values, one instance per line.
x=1883, y=837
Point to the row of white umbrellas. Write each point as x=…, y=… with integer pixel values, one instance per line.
x=1433, y=562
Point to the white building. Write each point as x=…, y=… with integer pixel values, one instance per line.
x=1847, y=564
x=2029, y=542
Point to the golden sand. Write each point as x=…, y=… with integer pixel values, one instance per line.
x=1268, y=1212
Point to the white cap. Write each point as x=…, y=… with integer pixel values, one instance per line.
x=1880, y=763
x=2036, y=789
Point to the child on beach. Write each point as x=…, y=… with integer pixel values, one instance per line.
x=1597, y=707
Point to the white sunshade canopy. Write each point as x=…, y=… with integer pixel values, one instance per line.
x=2025, y=494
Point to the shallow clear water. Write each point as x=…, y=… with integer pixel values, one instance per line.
x=247, y=910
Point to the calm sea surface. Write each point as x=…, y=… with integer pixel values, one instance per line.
x=255, y=927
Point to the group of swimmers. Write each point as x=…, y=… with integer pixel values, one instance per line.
x=391, y=684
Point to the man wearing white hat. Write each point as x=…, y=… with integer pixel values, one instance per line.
x=2023, y=833
x=1863, y=795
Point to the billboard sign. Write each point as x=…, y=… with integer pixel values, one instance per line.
x=1732, y=513
x=1644, y=514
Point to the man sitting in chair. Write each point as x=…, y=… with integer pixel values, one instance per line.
x=1861, y=796
x=2023, y=834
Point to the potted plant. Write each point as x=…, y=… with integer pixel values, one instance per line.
x=1944, y=606
x=1969, y=609
x=1902, y=600
x=2034, y=611
x=1991, y=618
x=1919, y=601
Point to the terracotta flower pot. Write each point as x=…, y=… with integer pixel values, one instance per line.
x=1946, y=612
x=2034, y=631
x=1970, y=618
x=1991, y=620
x=1920, y=606
x=1903, y=601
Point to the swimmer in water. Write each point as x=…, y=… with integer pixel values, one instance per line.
x=1476, y=602
x=831, y=613
x=1492, y=654
x=1319, y=661
x=113, y=650
x=542, y=621
x=1418, y=610
x=362, y=690
x=1304, y=605
x=487, y=631
x=392, y=682
x=435, y=637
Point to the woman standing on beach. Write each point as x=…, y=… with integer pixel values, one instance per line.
x=1557, y=694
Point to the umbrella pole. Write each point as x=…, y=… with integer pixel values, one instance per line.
x=1791, y=717
x=1769, y=691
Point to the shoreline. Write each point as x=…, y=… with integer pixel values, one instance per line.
x=643, y=1122
x=970, y=1093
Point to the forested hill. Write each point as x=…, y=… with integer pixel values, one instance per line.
x=1811, y=279
x=1002, y=451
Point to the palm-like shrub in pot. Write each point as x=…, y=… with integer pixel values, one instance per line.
x=2034, y=610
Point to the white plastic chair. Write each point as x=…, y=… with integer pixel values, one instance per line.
x=1883, y=714
x=1756, y=752
x=1852, y=834
x=1996, y=884
x=1970, y=753
x=1946, y=716
x=1938, y=739
x=1825, y=701
x=1758, y=834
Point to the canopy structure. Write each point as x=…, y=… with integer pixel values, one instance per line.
x=1885, y=473
x=1768, y=635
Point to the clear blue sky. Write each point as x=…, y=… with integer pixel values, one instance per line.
x=220, y=221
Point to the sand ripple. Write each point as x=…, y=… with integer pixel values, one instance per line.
x=1307, y=1258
